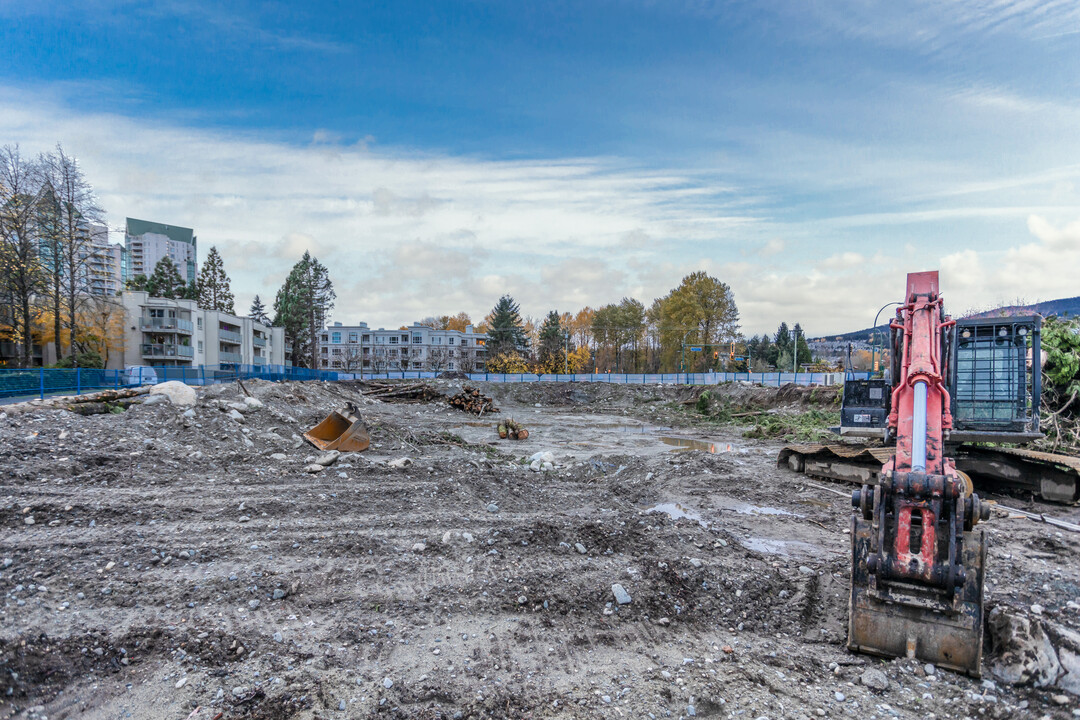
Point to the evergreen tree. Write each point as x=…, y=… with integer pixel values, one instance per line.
x=551, y=352
x=258, y=311
x=166, y=281
x=139, y=282
x=214, y=290
x=302, y=305
x=506, y=332
x=191, y=291
x=802, y=352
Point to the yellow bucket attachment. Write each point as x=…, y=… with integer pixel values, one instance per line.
x=344, y=432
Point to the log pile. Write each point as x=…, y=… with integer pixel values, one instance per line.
x=512, y=430
x=394, y=392
x=470, y=400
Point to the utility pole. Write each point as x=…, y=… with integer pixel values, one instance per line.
x=566, y=352
x=795, y=352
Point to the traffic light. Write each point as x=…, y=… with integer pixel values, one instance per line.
x=716, y=354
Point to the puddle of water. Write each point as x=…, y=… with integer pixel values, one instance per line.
x=632, y=429
x=687, y=444
x=676, y=511
x=748, y=509
x=769, y=546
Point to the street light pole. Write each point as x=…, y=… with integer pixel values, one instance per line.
x=873, y=335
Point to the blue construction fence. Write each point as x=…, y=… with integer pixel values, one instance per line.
x=39, y=382
x=715, y=378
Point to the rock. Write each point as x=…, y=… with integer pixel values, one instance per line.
x=341, y=705
x=1037, y=609
x=419, y=547
x=874, y=679
x=279, y=456
x=278, y=637
x=387, y=683
x=189, y=413
x=621, y=596
x=239, y=690
x=238, y=407
x=580, y=548
x=691, y=710
x=399, y=463
x=155, y=400
x=253, y=403
x=1025, y=655
x=929, y=669
x=839, y=696
x=236, y=416
x=328, y=459
x=177, y=392
x=695, y=562
x=522, y=599
x=1060, y=699
x=253, y=604
x=543, y=457
x=492, y=508
x=535, y=465
x=29, y=520
x=181, y=682
x=547, y=467
x=7, y=563
x=243, y=519
x=279, y=593
x=314, y=468
x=805, y=570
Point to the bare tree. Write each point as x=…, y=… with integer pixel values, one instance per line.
x=468, y=361
x=436, y=359
x=351, y=358
x=78, y=210
x=21, y=276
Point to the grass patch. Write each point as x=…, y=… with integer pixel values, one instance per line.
x=809, y=426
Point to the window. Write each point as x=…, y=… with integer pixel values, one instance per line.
x=325, y=337
x=450, y=353
x=157, y=312
x=450, y=341
x=393, y=353
x=436, y=341
x=404, y=338
x=451, y=366
x=200, y=347
x=322, y=350
x=352, y=337
x=337, y=338
x=417, y=338
x=393, y=339
x=366, y=338
x=200, y=323
x=337, y=351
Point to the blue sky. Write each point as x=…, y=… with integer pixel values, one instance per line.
x=437, y=155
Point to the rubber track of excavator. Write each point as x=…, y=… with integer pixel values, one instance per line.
x=1053, y=477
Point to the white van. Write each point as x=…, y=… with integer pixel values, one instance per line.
x=140, y=375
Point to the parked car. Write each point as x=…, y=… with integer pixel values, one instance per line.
x=140, y=375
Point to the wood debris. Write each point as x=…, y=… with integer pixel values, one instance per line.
x=470, y=400
x=395, y=392
x=513, y=430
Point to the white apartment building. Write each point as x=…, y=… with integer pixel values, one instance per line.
x=352, y=348
x=162, y=331
x=148, y=242
x=104, y=263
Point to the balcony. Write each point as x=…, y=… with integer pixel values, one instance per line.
x=153, y=324
x=258, y=360
x=229, y=357
x=259, y=341
x=229, y=336
x=168, y=351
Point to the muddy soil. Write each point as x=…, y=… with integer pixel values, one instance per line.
x=163, y=562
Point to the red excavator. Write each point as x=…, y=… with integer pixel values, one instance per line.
x=917, y=559
x=959, y=396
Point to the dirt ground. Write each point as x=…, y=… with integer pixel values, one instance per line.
x=183, y=563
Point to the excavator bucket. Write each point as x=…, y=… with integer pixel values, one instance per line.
x=909, y=621
x=344, y=432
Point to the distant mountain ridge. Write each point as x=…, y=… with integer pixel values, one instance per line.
x=1061, y=307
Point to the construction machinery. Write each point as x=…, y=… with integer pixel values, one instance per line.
x=917, y=559
x=954, y=392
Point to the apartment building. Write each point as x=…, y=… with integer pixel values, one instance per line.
x=166, y=332
x=103, y=263
x=146, y=243
x=352, y=348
